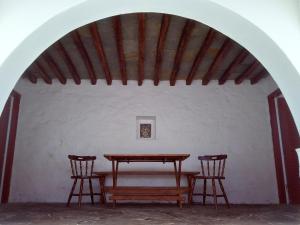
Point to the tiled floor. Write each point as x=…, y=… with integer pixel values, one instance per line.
x=134, y=214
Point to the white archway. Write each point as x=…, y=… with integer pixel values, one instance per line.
x=271, y=34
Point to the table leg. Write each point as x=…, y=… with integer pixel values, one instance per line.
x=113, y=173
x=189, y=182
x=191, y=185
x=114, y=180
x=176, y=178
x=177, y=175
x=117, y=169
x=102, y=189
x=179, y=179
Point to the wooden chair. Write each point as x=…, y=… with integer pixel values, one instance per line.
x=82, y=169
x=212, y=168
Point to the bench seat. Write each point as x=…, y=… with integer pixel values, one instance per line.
x=144, y=193
x=146, y=172
x=145, y=190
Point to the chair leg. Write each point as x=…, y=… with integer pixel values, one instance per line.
x=224, y=193
x=204, y=191
x=80, y=192
x=91, y=191
x=71, y=192
x=214, y=192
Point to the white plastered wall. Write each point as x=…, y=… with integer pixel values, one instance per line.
x=57, y=120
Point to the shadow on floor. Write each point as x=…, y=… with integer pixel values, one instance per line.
x=142, y=214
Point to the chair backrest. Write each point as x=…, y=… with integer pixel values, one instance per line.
x=82, y=165
x=212, y=165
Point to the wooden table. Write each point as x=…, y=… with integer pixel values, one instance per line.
x=144, y=193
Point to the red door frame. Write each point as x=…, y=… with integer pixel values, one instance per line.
x=11, y=142
x=279, y=132
x=3, y=134
x=290, y=141
x=276, y=146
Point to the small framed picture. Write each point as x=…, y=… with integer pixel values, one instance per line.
x=146, y=127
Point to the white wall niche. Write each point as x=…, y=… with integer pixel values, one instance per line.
x=146, y=127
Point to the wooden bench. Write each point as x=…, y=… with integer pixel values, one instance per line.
x=138, y=193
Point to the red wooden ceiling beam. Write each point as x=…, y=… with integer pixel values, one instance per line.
x=260, y=75
x=247, y=72
x=54, y=67
x=43, y=73
x=119, y=42
x=31, y=77
x=85, y=57
x=185, y=35
x=141, y=72
x=226, y=47
x=238, y=60
x=100, y=51
x=72, y=69
x=165, y=22
x=200, y=55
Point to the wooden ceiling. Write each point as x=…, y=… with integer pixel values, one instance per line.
x=146, y=46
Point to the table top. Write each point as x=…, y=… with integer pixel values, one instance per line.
x=146, y=157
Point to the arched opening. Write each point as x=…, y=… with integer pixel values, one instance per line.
x=94, y=66
x=230, y=108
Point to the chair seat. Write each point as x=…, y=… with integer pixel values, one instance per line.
x=85, y=177
x=209, y=177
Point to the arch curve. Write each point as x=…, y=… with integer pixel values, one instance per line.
x=230, y=22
